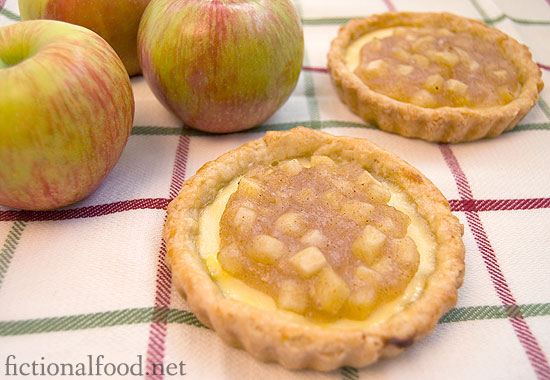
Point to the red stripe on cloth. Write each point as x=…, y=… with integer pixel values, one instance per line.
x=316, y=69
x=530, y=344
x=498, y=204
x=161, y=203
x=180, y=166
x=85, y=212
x=544, y=67
x=390, y=5
x=2, y=4
x=163, y=284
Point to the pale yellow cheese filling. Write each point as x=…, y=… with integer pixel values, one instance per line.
x=209, y=245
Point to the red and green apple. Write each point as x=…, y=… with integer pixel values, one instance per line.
x=66, y=111
x=221, y=65
x=116, y=21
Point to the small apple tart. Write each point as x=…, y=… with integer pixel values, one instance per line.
x=434, y=76
x=314, y=251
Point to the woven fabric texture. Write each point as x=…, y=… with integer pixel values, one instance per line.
x=90, y=281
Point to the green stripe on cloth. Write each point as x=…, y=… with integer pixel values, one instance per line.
x=313, y=107
x=349, y=373
x=176, y=131
x=12, y=16
x=476, y=313
x=532, y=127
x=327, y=21
x=482, y=12
x=9, y=247
x=344, y=20
x=151, y=314
x=95, y=320
x=77, y=322
x=544, y=107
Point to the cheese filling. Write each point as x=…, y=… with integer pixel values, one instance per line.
x=209, y=244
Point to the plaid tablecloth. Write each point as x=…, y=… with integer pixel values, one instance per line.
x=88, y=284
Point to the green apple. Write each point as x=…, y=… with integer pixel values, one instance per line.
x=221, y=65
x=116, y=21
x=66, y=111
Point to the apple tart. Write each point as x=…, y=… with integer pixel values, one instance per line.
x=435, y=76
x=314, y=251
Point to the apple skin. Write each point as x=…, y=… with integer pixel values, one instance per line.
x=221, y=65
x=66, y=111
x=117, y=21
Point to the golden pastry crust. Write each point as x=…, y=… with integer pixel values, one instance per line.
x=443, y=124
x=272, y=336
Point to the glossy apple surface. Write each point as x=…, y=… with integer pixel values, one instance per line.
x=66, y=111
x=221, y=66
x=116, y=21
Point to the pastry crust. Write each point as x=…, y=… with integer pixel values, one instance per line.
x=443, y=124
x=271, y=336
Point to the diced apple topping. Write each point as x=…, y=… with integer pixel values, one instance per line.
x=308, y=261
x=375, y=44
x=421, y=60
x=342, y=185
x=505, y=94
x=500, y=74
x=365, y=178
x=456, y=86
x=314, y=238
x=329, y=291
x=424, y=98
x=394, y=223
x=444, y=32
x=378, y=193
x=292, y=296
x=366, y=275
x=304, y=196
x=291, y=167
x=245, y=218
x=406, y=252
x=443, y=58
x=473, y=65
x=333, y=198
x=373, y=69
x=329, y=247
x=361, y=302
x=400, y=54
x=421, y=44
x=322, y=161
x=230, y=259
x=405, y=69
x=290, y=223
x=358, y=211
x=434, y=83
x=250, y=187
x=265, y=249
x=368, y=245
x=463, y=55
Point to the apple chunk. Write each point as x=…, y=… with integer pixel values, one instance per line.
x=265, y=249
x=308, y=261
x=368, y=245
